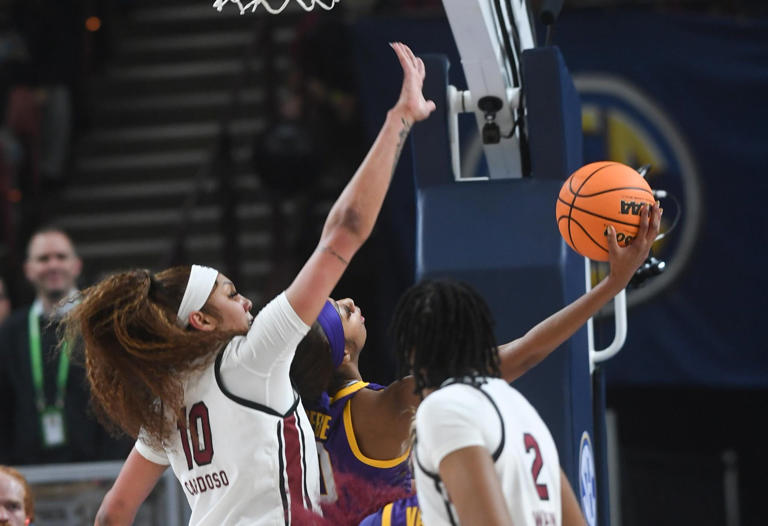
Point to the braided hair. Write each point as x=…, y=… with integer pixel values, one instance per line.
x=443, y=329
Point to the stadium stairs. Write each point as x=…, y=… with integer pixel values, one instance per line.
x=155, y=118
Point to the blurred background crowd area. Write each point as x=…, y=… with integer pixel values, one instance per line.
x=101, y=96
x=162, y=132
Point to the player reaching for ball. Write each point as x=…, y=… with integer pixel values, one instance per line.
x=176, y=360
x=363, y=428
x=473, y=431
x=596, y=195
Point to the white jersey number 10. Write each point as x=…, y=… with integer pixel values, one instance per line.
x=196, y=435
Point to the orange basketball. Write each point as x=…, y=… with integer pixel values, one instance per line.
x=595, y=196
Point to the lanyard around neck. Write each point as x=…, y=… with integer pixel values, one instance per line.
x=36, y=362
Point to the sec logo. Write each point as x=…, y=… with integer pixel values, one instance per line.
x=622, y=123
x=587, y=482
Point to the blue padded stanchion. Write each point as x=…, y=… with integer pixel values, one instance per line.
x=601, y=449
x=501, y=237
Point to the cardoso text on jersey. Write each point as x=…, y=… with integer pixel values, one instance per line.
x=207, y=482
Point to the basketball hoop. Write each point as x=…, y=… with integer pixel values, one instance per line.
x=306, y=5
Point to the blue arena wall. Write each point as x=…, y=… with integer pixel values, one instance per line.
x=500, y=236
x=700, y=116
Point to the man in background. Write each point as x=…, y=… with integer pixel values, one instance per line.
x=43, y=397
x=16, y=505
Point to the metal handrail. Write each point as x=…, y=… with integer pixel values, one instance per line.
x=620, y=323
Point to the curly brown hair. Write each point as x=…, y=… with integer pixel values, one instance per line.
x=134, y=352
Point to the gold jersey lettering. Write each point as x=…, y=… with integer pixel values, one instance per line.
x=320, y=423
x=413, y=516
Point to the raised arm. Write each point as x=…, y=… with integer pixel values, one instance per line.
x=134, y=483
x=354, y=213
x=523, y=353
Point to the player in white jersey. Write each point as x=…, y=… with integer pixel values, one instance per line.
x=487, y=413
x=482, y=454
x=176, y=359
x=240, y=461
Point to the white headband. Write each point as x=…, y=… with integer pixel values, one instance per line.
x=199, y=287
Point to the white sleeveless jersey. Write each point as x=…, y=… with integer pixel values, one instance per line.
x=239, y=462
x=498, y=417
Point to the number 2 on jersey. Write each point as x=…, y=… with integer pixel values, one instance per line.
x=538, y=463
x=198, y=427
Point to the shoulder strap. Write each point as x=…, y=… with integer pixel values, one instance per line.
x=497, y=453
x=245, y=402
x=348, y=390
x=437, y=481
x=477, y=384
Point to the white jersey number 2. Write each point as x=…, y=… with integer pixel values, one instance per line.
x=531, y=443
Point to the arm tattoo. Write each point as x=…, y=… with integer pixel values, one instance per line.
x=401, y=142
x=329, y=249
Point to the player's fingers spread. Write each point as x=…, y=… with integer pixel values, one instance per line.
x=642, y=228
x=420, y=67
x=613, y=245
x=655, y=225
x=396, y=49
x=410, y=59
x=410, y=55
x=401, y=51
x=397, y=46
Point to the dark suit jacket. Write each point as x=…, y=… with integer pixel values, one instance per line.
x=20, y=433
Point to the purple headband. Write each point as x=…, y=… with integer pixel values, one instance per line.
x=330, y=321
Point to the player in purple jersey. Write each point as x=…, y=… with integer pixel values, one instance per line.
x=403, y=512
x=342, y=446
x=347, y=455
x=363, y=428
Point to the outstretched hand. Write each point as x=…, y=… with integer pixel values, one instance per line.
x=625, y=261
x=412, y=101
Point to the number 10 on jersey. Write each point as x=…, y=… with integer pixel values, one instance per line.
x=196, y=435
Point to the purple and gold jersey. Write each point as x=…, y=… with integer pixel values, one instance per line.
x=339, y=452
x=403, y=512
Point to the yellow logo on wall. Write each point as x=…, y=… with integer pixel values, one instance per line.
x=621, y=123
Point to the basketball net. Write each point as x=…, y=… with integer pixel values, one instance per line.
x=307, y=5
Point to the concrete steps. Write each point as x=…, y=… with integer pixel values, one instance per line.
x=156, y=139
x=226, y=44
x=176, y=108
x=155, y=121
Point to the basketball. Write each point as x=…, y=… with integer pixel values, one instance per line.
x=595, y=196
